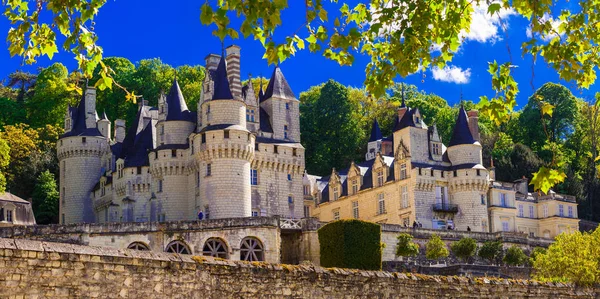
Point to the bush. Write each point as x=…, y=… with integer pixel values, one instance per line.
x=536, y=251
x=514, y=256
x=435, y=248
x=464, y=248
x=490, y=250
x=405, y=246
x=351, y=244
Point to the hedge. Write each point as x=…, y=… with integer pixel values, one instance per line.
x=351, y=244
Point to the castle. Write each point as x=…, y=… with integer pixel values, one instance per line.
x=237, y=156
x=240, y=155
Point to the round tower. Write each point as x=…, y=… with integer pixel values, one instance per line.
x=223, y=151
x=80, y=154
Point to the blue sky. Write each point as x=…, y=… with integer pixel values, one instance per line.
x=171, y=31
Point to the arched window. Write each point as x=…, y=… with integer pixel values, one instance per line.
x=215, y=247
x=138, y=246
x=252, y=250
x=178, y=247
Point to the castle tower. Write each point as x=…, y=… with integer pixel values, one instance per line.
x=223, y=150
x=177, y=121
x=80, y=153
x=468, y=181
x=281, y=105
x=104, y=126
x=374, y=145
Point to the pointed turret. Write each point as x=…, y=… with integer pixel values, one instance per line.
x=278, y=87
x=176, y=107
x=261, y=93
x=222, y=91
x=104, y=117
x=375, y=132
x=462, y=133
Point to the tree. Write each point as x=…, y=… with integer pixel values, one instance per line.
x=405, y=246
x=490, y=250
x=23, y=81
x=514, y=256
x=45, y=199
x=435, y=248
x=464, y=248
x=573, y=257
x=11, y=112
x=4, y=161
x=535, y=252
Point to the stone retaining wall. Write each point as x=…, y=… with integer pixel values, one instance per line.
x=49, y=270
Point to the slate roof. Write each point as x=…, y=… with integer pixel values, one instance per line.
x=223, y=127
x=375, y=132
x=221, y=89
x=462, y=133
x=278, y=87
x=261, y=93
x=406, y=121
x=138, y=141
x=265, y=122
x=78, y=126
x=177, y=108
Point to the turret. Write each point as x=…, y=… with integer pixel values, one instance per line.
x=104, y=126
x=179, y=122
x=281, y=105
x=374, y=145
x=120, y=130
x=463, y=148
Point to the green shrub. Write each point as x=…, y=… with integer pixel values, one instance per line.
x=435, y=248
x=490, y=250
x=405, y=246
x=514, y=256
x=536, y=251
x=464, y=248
x=351, y=244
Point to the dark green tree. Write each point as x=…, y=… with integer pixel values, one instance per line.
x=514, y=256
x=45, y=199
x=490, y=250
x=48, y=104
x=464, y=248
x=22, y=81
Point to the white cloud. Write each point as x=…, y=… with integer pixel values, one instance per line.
x=452, y=74
x=485, y=27
x=555, y=27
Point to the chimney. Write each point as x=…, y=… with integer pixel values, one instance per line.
x=492, y=170
x=233, y=70
x=474, y=123
x=212, y=61
x=119, y=130
x=90, y=107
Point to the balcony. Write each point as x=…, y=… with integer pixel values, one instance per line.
x=445, y=208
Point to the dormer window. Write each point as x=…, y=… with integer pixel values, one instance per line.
x=436, y=149
x=354, y=187
x=336, y=193
x=380, y=178
x=403, y=171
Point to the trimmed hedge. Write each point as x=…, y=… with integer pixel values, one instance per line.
x=351, y=244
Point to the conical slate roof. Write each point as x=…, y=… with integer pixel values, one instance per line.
x=139, y=139
x=278, y=87
x=78, y=125
x=221, y=89
x=461, y=133
x=375, y=132
x=177, y=108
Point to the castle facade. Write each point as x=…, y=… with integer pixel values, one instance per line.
x=239, y=155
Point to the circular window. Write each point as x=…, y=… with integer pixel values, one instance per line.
x=178, y=247
x=216, y=248
x=138, y=246
x=252, y=250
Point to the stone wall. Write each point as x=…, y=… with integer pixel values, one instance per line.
x=51, y=270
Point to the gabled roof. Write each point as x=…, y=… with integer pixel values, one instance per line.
x=462, y=133
x=177, y=108
x=278, y=87
x=78, y=125
x=222, y=91
x=375, y=132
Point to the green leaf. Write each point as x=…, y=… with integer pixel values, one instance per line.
x=545, y=178
x=206, y=14
x=493, y=8
x=547, y=109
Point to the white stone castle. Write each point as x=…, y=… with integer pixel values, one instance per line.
x=237, y=156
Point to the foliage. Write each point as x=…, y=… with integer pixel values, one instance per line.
x=435, y=248
x=573, y=257
x=490, y=250
x=351, y=244
x=45, y=199
x=405, y=246
x=464, y=248
x=11, y=112
x=514, y=256
x=535, y=252
x=4, y=161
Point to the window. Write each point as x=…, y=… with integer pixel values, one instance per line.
x=570, y=211
x=442, y=173
x=354, y=187
x=381, y=204
x=254, y=213
x=403, y=171
x=289, y=177
x=306, y=190
x=484, y=225
x=290, y=199
x=355, y=209
x=207, y=109
x=216, y=248
x=419, y=171
x=162, y=130
x=9, y=216
x=436, y=149
x=287, y=106
x=173, y=153
x=455, y=173
x=505, y=226
x=250, y=115
x=226, y=134
x=336, y=214
x=178, y=247
x=379, y=178
x=530, y=211
x=285, y=132
x=406, y=222
x=83, y=139
x=432, y=173
x=138, y=246
x=63, y=218
x=521, y=211
x=252, y=250
x=203, y=138
x=336, y=194
x=561, y=210
x=253, y=177
x=294, y=152
x=306, y=211
x=275, y=149
x=545, y=211
x=404, y=197
x=139, y=170
x=482, y=199
x=502, y=200
x=160, y=185
x=478, y=172
x=197, y=179
x=208, y=169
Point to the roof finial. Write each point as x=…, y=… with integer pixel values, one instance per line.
x=403, y=104
x=461, y=97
